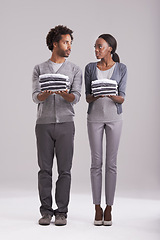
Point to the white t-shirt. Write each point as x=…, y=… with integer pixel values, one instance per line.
x=56, y=66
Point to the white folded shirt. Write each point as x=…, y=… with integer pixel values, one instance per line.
x=54, y=82
x=104, y=87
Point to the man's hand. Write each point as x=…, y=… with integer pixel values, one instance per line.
x=44, y=95
x=69, y=97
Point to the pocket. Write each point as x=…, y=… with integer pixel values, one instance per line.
x=67, y=107
x=39, y=110
x=70, y=107
x=73, y=129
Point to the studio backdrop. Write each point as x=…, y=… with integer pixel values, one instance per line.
x=135, y=25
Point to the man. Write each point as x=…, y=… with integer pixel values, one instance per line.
x=55, y=126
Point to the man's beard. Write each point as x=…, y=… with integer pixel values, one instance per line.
x=63, y=53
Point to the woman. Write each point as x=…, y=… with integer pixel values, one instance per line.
x=104, y=115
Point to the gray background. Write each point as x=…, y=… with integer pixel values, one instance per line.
x=135, y=25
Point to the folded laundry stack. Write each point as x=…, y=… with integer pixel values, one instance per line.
x=54, y=82
x=104, y=87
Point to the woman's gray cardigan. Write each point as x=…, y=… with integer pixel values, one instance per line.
x=119, y=74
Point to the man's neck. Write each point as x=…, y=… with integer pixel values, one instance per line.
x=57, y=59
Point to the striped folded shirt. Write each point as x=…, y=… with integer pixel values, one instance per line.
x=104, y=87
x=54, y=82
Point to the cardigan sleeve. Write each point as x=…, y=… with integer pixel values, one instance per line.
x=35, y=84
x=87, y=77
x=123, y=81
x=76, y=85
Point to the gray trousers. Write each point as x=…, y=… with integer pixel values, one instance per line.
x=95, y=133
x=54, y=139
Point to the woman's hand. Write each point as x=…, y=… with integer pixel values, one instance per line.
x=90, y=98
x=116, y=99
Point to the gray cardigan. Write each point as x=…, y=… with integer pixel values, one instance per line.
x=55, y=109
x=119, y=74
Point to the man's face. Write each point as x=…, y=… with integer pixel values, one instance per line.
x=63, y=47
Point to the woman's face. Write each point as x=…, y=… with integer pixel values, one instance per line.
x=102, y=48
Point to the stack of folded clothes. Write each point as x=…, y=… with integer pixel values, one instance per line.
x=54, y=82
x=104, y=87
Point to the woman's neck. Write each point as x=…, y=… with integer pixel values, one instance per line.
x=105, y=63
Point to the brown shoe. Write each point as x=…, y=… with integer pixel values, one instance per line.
x=107, y=216
x=60, y=220
x=45, y=220
x=98, y=217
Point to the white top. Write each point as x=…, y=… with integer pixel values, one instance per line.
x=105, y=74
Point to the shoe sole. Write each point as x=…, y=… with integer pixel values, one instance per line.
x=44, y=224
x=107, y=223
x=98, y=223
x=60, y=224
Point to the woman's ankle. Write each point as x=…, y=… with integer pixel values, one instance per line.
x=98, y=213
x=98, y=207
x=107, y=213
x=108, y=208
